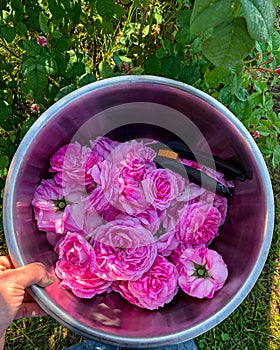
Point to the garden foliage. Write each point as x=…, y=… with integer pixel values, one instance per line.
x=228, y=48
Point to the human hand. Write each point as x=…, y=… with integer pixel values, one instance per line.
x=15, y=302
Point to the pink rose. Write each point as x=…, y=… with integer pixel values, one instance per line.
x=76, y=267
x=154, y=289
x=35, y=108
x=150, y=219
x=166, y=243
x=198, y=223
x=202, y=272
x=51, y=209
x=101, y=148
x=120, y=176
x=124, y=250
x=161, y=186
x=70, y=161
x=42, y=41
x=219, y=202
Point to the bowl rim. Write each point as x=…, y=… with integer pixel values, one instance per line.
x=38, y=293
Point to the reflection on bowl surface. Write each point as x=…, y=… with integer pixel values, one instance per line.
x=130, y=107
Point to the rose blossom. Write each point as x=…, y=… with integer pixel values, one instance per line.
x=124, y=249
x=166, y=243
x=52, y=210
x=198, y=223
x=35, y=108
x=42, y=41
x=161, y=186
x=202, y=272
x=120, y=176
x=101, y=148
x=70, y=162
x=154, y=289
x=76, y=267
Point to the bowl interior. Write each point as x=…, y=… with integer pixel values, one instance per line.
x=153, y=111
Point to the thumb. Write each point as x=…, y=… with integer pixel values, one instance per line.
x=34, y=273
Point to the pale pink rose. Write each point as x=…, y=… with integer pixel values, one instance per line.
x=121, y=174
x=154, y=289
x=134, y=159
x=124, y=249
x=35, y=108
x=166, y=243
x=198, y=223
x=70, y=160
x=42, y=41
x=161, y=186
x=150, y=218
x=103, y=146
x=50, y=207
x=76, y=267
x=202, y=272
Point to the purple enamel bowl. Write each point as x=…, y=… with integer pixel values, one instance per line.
x=155, y=108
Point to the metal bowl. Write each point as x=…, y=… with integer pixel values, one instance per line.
x=147, y=107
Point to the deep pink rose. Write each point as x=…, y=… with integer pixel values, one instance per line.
x=124, y=249
x=219, y=202
x=101, y=148
x=202, y=272
x=70, y=160
x=161, y=186
x=198, y=223
x=76, y=267
x=42, y=41
x=154, y=289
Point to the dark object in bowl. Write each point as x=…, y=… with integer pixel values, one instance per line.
x=204, y=125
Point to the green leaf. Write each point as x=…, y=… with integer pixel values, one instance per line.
x=229, y=43
x=183, y=18
x=276, y=156
x=87, y=79
x=189, y=75
x=21, y=29
x=184, y=36
x=47, y=65
x=4, y=162
x=260, y=16
x=43, y=23
x=37, y=81
x=8, y=33
x=64, y=91
x=170, y=66
x=207, y=14
x=105, y=9
x=32, y=48
x=105, y=70
x=5, y=108
x=225, y=96
x=79, y=68
x=28, y=66
x=242, y=94
x=219, y=75
x=152, y=65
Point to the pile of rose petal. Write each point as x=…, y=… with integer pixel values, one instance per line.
x=120, y=224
